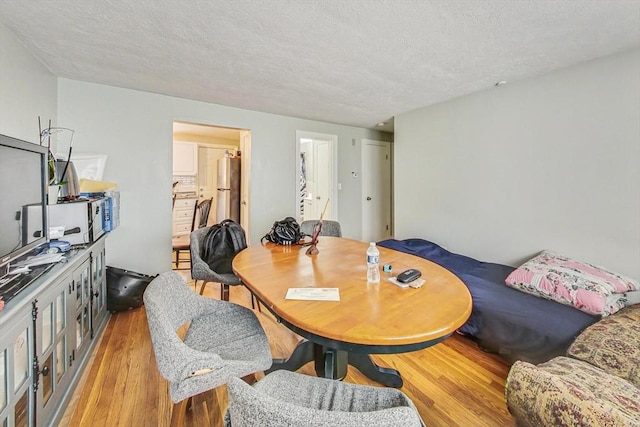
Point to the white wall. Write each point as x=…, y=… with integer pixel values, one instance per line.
x=551, y=162
x=135, y=130
x=27, y=90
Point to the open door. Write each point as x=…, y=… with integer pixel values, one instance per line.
x=317, y=175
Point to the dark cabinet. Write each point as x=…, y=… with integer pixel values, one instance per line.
x=46, y=335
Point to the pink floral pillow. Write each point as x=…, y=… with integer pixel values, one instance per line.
x=594, y=290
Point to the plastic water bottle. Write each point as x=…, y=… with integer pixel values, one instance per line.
x=373, y=259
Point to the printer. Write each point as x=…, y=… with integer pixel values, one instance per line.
x=81, y=219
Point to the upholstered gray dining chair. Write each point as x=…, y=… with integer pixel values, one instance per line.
x=200, y=270
x=222, y=341
x=329, y=227
x=284, y=398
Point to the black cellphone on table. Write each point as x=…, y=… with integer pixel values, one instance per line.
x=409, y=275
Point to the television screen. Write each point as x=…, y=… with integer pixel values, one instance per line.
x=23, y=178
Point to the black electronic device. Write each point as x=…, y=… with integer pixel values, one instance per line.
x=409, y=275
x=23, y=196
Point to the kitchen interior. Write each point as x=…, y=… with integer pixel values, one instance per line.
x=207, y=164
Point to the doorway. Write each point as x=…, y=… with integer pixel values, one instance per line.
x=207, y=145
x=317, y=176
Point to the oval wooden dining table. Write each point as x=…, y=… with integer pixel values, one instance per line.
x=368, y=319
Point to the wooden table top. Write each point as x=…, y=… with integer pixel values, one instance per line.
x=376, y=315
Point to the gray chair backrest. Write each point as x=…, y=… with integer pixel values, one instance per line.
x=169, y=304
x=198, y=266
x=209, y=354
x=248, y=404
x=200, y=270
x=329, y=227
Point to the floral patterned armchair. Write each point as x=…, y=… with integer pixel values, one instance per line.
x=598, y=384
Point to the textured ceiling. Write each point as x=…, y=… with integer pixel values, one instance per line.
x=354, y=62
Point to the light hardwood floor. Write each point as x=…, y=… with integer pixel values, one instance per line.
x=452, y=383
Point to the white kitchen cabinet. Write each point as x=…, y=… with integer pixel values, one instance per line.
x=183, y=211
x=185, y=158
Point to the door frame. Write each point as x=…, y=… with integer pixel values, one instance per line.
x=333, y=193
x=245, y=183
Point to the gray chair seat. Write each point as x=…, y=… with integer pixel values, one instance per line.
x=223, y=340
x=284, y=398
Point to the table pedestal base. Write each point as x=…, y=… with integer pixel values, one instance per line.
x=332, y=363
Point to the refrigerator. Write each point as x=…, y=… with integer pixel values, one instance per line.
x=228, y=190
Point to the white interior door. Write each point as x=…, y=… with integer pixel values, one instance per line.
x=323, y=179
x=319, y=184
x=208, y=175
x=376, y=190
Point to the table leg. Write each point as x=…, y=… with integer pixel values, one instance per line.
x=302, y=354
x=386, y=376
x=331, y=363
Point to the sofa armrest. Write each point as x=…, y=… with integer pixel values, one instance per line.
x=569, y=392
x=612, y=344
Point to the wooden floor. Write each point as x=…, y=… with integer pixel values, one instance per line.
x=452, y=383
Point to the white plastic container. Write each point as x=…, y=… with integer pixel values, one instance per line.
x=373, y=263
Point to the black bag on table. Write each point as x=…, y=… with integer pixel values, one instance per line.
x=125, y=289
x=285, y=232
x=221, y=244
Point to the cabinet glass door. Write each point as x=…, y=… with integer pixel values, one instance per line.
x=16, y=380
x=51, y=345
x=80, y=319
x=3, y=379
x=45, y=331
x=81, y=281
x=99, y=288
x=20, y=359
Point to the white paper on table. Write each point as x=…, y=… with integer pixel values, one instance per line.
x=313, y=294
x=415, y=284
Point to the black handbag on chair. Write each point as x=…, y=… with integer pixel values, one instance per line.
x=221, y=244
x=285, y=232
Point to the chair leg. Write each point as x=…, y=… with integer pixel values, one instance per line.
x=224, y=292
x=177, y=259
x=255, y=301
x=179, y=412
x=204, y=282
